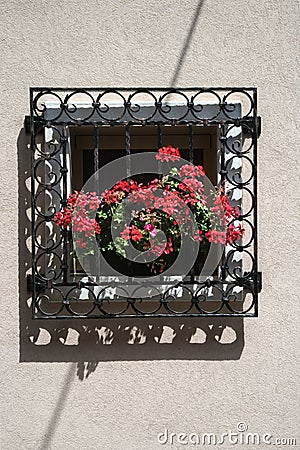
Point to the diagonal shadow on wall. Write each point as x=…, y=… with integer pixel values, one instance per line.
x=186, y=45
x=59, y=409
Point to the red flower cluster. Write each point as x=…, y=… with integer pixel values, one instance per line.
x=144, y=196
x=224, y=210
x=168, y=153
x=132, y=233
x=72, y=199
x=119, y=191
x=218, y=237
x=228, y=214
x=78, y=215
x=82, y=223
x=189, y=170
x=234, y=233
x=63, y=218
x=163, y=204
x=193, y=189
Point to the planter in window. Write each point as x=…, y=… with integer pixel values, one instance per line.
x=140, y=227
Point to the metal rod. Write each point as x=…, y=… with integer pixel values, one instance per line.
x=127, y=150
x=145, y=88
x=96, y=149
x=222, y=140
x=144, y=316
x=255, y=250
x=65, y=241
x=191, y=144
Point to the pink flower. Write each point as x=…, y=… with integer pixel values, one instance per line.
x=198, y=236
x=151, y=228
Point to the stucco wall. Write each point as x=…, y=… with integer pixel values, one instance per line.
x=75, y=387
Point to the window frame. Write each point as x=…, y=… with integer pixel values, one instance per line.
x=62, y=114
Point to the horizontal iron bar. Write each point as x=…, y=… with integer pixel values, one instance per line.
x=140, y=316
x=187, y=89
x=43, y=283
x=201, y=122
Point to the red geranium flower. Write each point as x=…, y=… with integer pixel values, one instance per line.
x=126, y=233
x=136, y=235
x=168, y=153
x=218, y=237
x=188, y=170
x=132, y=233
x=63, y=218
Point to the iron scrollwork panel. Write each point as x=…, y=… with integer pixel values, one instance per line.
x=56, y=291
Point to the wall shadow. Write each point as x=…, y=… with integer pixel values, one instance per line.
x=186, y=44
x=77, y=340
x=59, y=409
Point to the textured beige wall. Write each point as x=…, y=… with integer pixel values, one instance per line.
x=120, y=386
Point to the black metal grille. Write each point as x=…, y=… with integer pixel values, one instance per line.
x=59, y=293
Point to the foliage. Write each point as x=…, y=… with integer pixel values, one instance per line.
x=160, y=214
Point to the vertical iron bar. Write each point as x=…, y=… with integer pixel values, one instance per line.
x=191, y=144
x=191, y=159
x=222, y=161
x=223, y=179
x=159, y=143
x=160, y=174
x=159, y=134
x=127, y=149
x=96, y=169
x=96, y=151
x=128, y=170
x=65, y=261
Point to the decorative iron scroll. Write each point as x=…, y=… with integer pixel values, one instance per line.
x=60, y=292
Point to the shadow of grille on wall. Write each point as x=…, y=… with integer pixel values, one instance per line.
x=74, y=132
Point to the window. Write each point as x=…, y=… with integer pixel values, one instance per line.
x=77, y=132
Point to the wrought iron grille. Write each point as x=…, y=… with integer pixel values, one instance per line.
x=58, y=291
